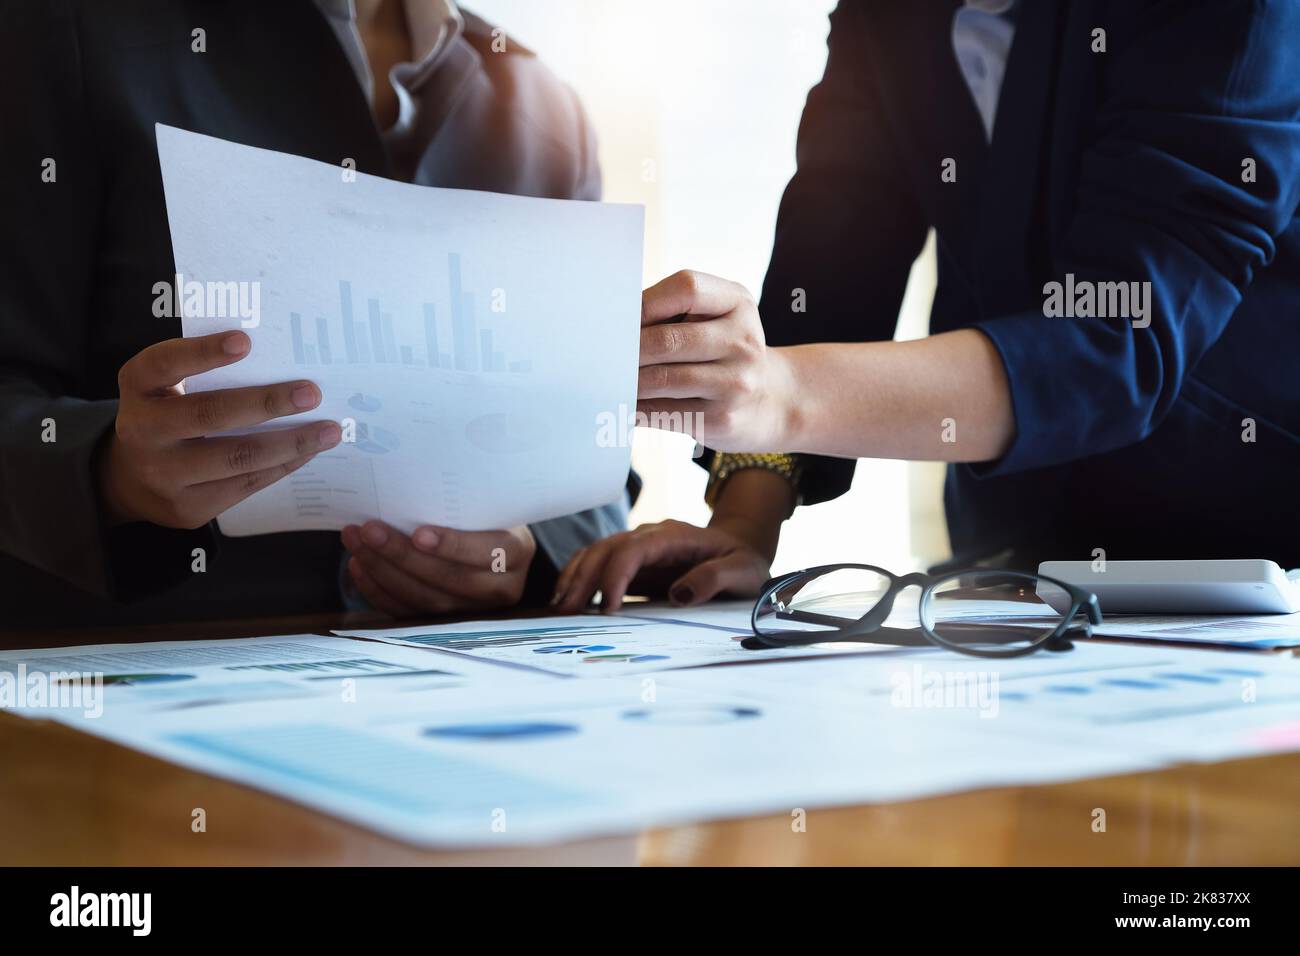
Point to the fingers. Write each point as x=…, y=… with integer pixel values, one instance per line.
x=714, y=380
x=684, y=342
x=482, y=567
x=676, y=415
x=205, y=413
x=200, y=503
x=576, y=583
x=690, y=294
x=612, y=564
x=212, y=459
x=739, y=574
x=474, y=549
x=375, y=595
x=621, y=567
x=375, y=544
x=399, y=592
x=165, y=364
x=668, y=541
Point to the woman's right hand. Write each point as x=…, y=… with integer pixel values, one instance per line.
x=707, y=370
x=689, y=563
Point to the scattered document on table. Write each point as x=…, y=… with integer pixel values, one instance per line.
x=731, y=616
x=1260, y=631
x=1170, y=703
x=479, y=349
x=551, y=760
x=1256, y=631
x=445, y=748
x=595, y=645
x=174, y=675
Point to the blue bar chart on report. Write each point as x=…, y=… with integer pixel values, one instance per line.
x=368, y=337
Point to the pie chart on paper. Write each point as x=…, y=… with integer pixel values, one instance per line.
x=375, y=441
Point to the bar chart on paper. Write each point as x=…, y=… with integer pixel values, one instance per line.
x=465, y=342
x=369, y=337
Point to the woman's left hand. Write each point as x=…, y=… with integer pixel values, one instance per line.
x=706, y=368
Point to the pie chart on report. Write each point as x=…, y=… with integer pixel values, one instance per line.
x=507, y=730
x=375, y=441
x=572, y=648
x=693, y=715
x=506, y=433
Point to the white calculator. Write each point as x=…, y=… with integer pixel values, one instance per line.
x=1235, y=586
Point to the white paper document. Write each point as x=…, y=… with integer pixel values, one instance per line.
x=164, y=676
x=1260, y=631
x=595, y=645
x=730, y=616
x=1168, y=704
x=480, y=350
x=1255, y=631
x=437, y=748
x=485, y=764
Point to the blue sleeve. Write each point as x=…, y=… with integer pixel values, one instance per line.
x=1196, y=90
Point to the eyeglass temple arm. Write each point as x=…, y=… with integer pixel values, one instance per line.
x=1092, y=607
x=894, y=636
x=812, y=617
x=867, y=624
x=847, y=629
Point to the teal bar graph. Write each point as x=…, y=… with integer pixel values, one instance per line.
x=295, y=332
x=376, y=329
x=392, y=337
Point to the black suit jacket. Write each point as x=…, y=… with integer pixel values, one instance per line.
x=84, y=84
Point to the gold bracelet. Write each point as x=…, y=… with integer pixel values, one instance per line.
x=726, y=464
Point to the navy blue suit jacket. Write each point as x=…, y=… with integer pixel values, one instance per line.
x=1123, y=165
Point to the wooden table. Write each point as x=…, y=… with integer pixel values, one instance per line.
x=72, y=799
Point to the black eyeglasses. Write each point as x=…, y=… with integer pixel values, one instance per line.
x=983, y=612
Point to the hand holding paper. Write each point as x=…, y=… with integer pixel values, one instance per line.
x=158, y=465
x=474, y=347
x=438, y=570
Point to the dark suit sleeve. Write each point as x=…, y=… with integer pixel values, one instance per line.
x=848, y=228
x=1194, y=90
x=48, y=512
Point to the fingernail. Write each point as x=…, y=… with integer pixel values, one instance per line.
x=682, y=594
x=557, y=598
x=426, y=538
x=304, y=395
x=236, y=344
x=374, y=536
x=329, y=435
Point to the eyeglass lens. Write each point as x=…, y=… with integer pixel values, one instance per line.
x=981, y=611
